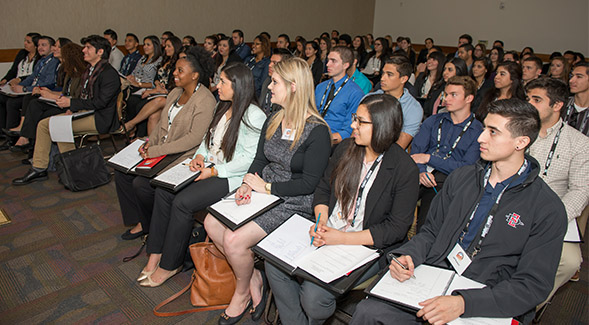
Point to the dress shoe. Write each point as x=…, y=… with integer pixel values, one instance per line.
x=575, y=277
x=148, y=282
x=26, y=161
x=21, y=148
x=144, y=274
x=11, y=133
x=31, y=176
x=227, y=320
x=128, y=235
x=258, y=310
x=5, y=146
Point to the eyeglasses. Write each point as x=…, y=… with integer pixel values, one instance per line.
x=358, y=120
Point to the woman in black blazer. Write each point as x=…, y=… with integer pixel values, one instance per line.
x=386, y=207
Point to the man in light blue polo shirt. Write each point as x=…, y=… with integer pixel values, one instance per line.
x=395, y=73
x=338, y=98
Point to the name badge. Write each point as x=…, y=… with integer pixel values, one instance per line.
x=459, y=259
x=429, y=168
x=288, y=134
x=212, y=159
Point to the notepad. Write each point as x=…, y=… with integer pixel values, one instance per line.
x=49, y=101
x=6, y=90
x=126, y=159
x=291, y=244
x=60, y=126
x=177, y=177
x=235, y=216
x=429, y=282
x=573, y=235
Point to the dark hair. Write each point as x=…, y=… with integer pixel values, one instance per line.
x=556, y=90
x=346, y=38
x=267, y=35
x=402, y=63
x=168, y=33
x=336, y=31
x=467, y=83
x=171, y=60
x=238, y=31
x=581, y=64
x=555, y=54
x=387, y=122
x=385, y=49
x=266, y=48
x=47, y=38
x=72, y=60
x=569, y=52
x=516, y=90
x=466, y=37
x=200, y=60
x=534, y=59
x=524, y=119
x=324, y=34
x=157, y=47
x=487, y=63
x=579, y=56
x=460, y=66
x=500, y=42
x=285, y=37
x=327, y=42
x=229, y=40
x=242, y=82
x=467, y=47
x=284, y=53
x=500, y=53
x=134, y=37
x=99, y=43
x=316, y=47
x=530, y=50
x=429, y=38
x=63, y=41
x=513, y=53
x=111, y=33
x=35, y=38
x=441, y=59
x=362, y=47
x=192, y=41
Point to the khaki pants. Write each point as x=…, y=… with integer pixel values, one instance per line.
x=43, y=141
x=570, y=261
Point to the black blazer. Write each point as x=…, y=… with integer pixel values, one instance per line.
x=390, y=205
x=104, y=102
x=21, y=55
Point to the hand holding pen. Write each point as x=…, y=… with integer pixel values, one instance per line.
x=402, y=267
x=315, y=230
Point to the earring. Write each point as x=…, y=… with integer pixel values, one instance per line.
x=516, y=148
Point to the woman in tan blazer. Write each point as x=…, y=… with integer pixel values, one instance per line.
x=185, y=119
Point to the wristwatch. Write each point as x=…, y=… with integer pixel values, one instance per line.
x=268, y=188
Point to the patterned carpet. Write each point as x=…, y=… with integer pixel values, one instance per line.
x=61, y=262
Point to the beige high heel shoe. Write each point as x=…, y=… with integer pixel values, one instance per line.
x=148, y=282
x=144, y=274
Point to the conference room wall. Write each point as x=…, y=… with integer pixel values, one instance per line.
x=545, y=25
x=75, y=19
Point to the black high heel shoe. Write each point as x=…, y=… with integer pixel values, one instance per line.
x=227, y=320
x=258, y=310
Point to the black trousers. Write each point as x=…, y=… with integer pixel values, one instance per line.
x=35, y=112
x=172, y=219
x=10, y=108
x=427, y=194
x=135, y=199
x=134, y=105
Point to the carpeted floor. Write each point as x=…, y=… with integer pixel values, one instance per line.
x=61, y=261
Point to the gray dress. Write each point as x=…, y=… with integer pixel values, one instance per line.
x=279, y=155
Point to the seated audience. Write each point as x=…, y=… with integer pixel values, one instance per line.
x=265, y=99
x=375, y=59
x=358, y=77
x=283, y=42
x=531, y=69
x=313, y=58
x=188, y=41
x=230, y=143
x=210, y=44
x=566, y=174
x=226, y=55
x=507, y=84
x=338, y=98
x=130, y=60
x=241, y=49
x=422, y=56
x=576, y=113
x=24, y=62
x=382, y=218
x=140, y=108
x=432, y=73
x=301, y=43
x=516, y=259
x=481, y=74
x=259, y=61
x=99, y=94
x=465, y=52
x=184, y=121
x=116, y=56
x=511, y=56
x=446, y=141
x=559, y=69
x=145, y=70
x=405, y=46
x=496, y=56
x=358, y=46
x=480, y=50
x=434, y=102
x=325, y=47
x=292, y=155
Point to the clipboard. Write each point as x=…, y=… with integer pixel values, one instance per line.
x=175, y=188
x=232, y=225
x=149, y=173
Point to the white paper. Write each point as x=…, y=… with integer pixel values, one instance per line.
x=178, y=174
x=238, y=213
x=331, y=262
x=129, y=156
x=289, y=241
x=481, y=321
x=139, y=92
x=8, y=91
x=572, y=235
x=48, y=101
x=60, y=128
x=429, y=282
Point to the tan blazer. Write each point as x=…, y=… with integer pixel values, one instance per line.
x=188, y=128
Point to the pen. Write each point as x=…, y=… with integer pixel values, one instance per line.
x=429, y=179
x=316, y=224
x=401, y=265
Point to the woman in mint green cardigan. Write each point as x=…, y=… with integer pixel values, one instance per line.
x=230, y=144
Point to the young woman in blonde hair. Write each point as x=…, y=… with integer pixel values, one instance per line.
x=292, y=154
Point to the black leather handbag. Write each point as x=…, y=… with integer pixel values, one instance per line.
x=82, y=169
